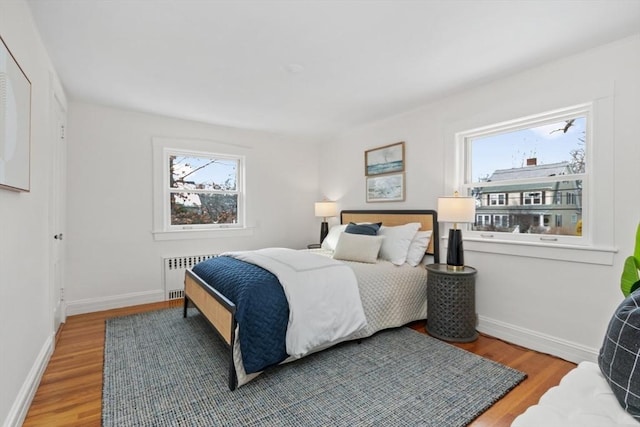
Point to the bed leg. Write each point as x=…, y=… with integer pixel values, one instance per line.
x=232, y=377
x=186, y=305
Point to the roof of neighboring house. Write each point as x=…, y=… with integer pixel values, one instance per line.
x=539, y=171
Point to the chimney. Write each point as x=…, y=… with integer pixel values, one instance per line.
x=532, y=161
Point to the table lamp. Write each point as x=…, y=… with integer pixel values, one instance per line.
x=456, y=209
x=325, y=209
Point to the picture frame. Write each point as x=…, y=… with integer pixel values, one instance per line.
x=386, y=188
x=15, y=123
x=384, y=160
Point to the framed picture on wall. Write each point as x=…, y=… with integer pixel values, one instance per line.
x=385, y=188
x=15, y=123
x=383, y=160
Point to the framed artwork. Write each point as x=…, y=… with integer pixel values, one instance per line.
x=15, y=123
x=387, y=159
x=385, y=188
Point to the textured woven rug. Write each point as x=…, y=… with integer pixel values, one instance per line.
x=163, y=370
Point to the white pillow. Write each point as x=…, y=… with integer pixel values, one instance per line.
x=329, y=243
x=358, y=247
x=397, y=240
x=418, y=247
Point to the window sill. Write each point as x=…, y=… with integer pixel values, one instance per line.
x=557, y=252
x=202, y=234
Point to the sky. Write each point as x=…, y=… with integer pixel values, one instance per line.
x=217, y=172
x=511, y=149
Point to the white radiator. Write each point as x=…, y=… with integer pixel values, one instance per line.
x=174, y=269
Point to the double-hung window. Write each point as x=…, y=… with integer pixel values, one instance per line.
x=518, y=171
x=203, y=190
x=532, y=198
x=198, y=189
x=497, y=199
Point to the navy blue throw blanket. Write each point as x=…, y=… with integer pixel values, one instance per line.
x=262, y=310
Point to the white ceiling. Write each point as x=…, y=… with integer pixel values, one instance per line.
x=308, y=67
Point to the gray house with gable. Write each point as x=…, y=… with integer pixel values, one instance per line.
x=553, y=207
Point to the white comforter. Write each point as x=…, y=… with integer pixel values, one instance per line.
x=323, y=296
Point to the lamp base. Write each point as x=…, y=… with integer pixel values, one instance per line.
x=324, y=230
x=455, y=253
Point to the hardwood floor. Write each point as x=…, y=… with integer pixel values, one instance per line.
x=70, y=392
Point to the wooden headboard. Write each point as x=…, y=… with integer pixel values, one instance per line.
x=390, y=218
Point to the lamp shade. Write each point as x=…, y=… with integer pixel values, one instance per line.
x=456, y=209
x=326, y=209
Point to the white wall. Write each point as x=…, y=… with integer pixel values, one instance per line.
x=26, y=317
x=554, y=306
x=113, y=259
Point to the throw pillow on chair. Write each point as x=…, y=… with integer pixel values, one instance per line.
x=619, y=357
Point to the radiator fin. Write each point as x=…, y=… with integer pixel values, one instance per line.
x=173, y=274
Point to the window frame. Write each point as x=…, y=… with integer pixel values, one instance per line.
x=161, y=208
x=497, y=199
x=467, y=184
x=501, y=218
x=532, y=196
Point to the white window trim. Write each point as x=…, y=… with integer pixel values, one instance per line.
x=538, y=196
x=161, y=224
x=501, y=217
x=598, y=248
x=495, y=197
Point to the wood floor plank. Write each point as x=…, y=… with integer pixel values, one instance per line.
x=70, y=393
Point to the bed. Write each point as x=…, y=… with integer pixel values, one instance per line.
x=392, y=294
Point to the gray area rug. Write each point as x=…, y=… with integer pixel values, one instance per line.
x=163, y=370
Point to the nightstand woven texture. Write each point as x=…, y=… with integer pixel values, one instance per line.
x=451, y=305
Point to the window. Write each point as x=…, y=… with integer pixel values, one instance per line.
x=518, y=171
x=497, y=199
x=501, y=220
x=483, y=220
x=198, y=189
x=558, y=198
x=533, y=198
x=202, y=189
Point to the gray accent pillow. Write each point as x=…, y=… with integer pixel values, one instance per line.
x=619, y=357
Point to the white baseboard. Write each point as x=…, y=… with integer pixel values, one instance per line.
x=20, y=407
x=91, y=305
x=534, y=340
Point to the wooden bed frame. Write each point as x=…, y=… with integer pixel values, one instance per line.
x=220, y=312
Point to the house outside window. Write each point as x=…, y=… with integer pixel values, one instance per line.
x=518, y=172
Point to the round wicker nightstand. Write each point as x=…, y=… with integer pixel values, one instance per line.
x=451, y=303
